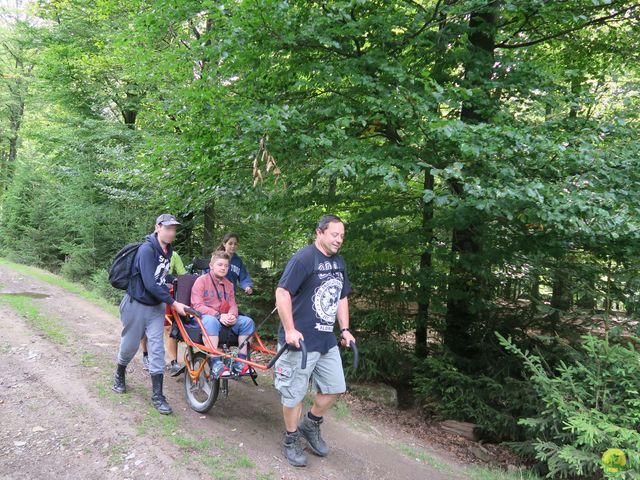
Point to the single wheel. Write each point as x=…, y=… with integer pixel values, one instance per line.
x=202, y=393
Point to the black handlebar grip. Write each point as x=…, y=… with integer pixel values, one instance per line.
x=303, y=362
x=193, y=312
x=284, y=348
x=278, y=355
x=356, y=356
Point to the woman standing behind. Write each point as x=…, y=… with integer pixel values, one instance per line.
x=237, y=273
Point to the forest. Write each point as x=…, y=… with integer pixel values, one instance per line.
x=484, y=155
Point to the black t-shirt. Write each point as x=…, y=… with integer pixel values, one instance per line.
x=316, y=284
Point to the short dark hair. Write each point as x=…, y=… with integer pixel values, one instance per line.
x=325, y=220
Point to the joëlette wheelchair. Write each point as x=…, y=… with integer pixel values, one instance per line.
x=201, y=388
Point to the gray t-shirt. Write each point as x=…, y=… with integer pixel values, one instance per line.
x=316, y=284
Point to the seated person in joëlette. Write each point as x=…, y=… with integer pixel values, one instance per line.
x=213, y=295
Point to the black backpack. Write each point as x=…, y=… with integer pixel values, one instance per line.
x=122, y=266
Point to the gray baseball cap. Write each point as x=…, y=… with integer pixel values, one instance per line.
x=167, y=219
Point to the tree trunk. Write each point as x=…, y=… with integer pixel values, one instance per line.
x=424, y=291
x=506, y=291
x=129, y=117
x=15, y=121
x=534, y=292
x=425, y=275
x=561, y=294
x=587, y=300
x=465, y=286
x=185, y=238
x=16, y=113
x=4, y=181
x=129, y=109
x=332, y=187
x=209, y=238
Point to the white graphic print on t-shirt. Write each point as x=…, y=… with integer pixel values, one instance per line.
x=161, y=270
x=326, y=297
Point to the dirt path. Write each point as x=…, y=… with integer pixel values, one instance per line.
x=61, y=420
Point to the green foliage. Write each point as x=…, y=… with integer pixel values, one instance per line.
x=585, y=406
x=483, y=154
x=99, y=283
x=493, y=403
x=142, y=106
x=381, y=359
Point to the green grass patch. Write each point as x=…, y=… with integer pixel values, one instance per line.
x=485, y=473
x=265, y=476
x=88, y=360
x=185, y=442
x=115, y=453
x=241, y=460
x=103, y=387
x=61, y=282
x=48, y=325
x=308, y=400
x=341, y=410
x=424, y=457
x=214, y=455
x=169, y=427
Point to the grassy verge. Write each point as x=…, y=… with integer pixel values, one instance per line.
x=484, y=473
x=423, y=457
x=50, y=326
x=341, y=409
x=221, y=461
x=471, y=473
x=61, y=282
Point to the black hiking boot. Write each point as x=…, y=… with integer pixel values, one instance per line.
x=118, y=380
x=310, y=430
x=157, y=399
x=293, y=450
x=175, y=368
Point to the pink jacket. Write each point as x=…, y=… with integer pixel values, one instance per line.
x=207, y=300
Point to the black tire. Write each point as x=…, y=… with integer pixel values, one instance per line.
x=202, y=394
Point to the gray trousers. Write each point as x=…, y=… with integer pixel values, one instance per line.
x=137, y=320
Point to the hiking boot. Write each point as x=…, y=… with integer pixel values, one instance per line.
x=145, y=363
x=118, y=380
x=292, y=449
x=157, y=398
x=175, y=368
x=239, y=368
x=310, y=430
x=218, y=369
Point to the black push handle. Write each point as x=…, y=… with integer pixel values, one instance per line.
x=303, y=362
x=278, y=355
x=193, y=311
x=356, y=356
x=284, y=348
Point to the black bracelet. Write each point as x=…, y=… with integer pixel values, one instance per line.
x=344, y=330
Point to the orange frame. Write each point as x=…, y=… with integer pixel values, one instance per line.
x=172, y=316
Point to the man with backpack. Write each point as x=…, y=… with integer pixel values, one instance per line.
x=142, y=309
